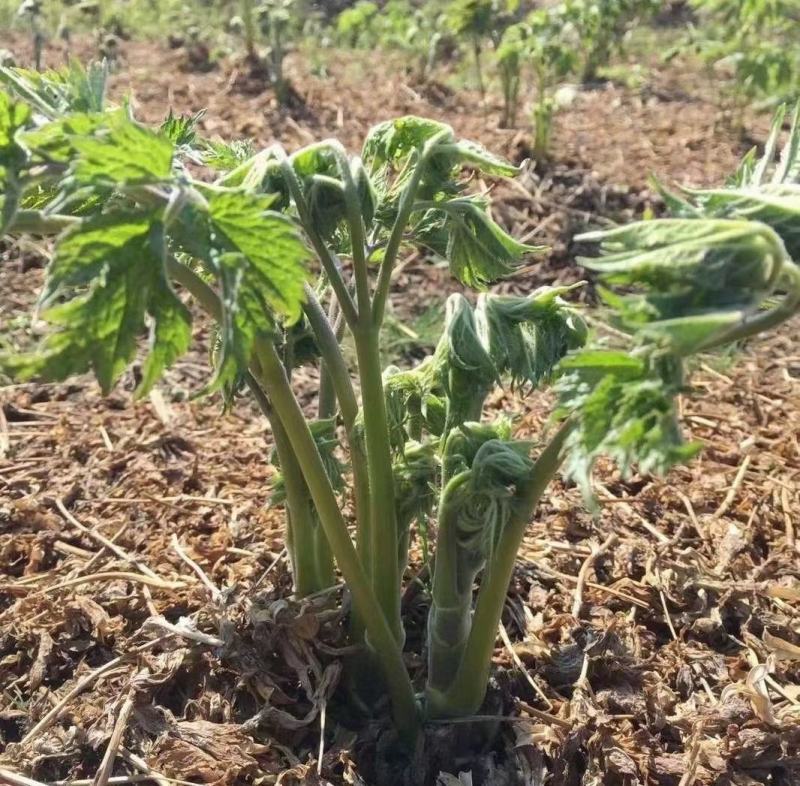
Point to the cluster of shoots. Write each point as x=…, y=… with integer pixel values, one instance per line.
x=268, y=29
x=576, y=36
x=414, y=31
x=753, y=40
x=289, y=253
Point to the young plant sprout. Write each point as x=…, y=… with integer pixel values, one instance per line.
x=287, y=252
x=539, y=44
x=474, y=20
x=600, y=27
x=31, y=12
x=754, y=40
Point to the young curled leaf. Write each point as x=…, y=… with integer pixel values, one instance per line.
x=464, y=442
x=777, y=206
x=675, y=268
x=479, y=250
x=527, y=336
x=623, y=407
x=415, y=472
x=393, y=141
x=462, y=367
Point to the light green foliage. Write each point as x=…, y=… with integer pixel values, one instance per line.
x=600, y=27
x=541, y=48
x=135, y=233
x=756, y=40
x=355, y=25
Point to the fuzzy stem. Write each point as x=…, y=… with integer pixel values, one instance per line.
x=381, y=636
x=383, y=516
x=272, y=376
x=451, y=593
x=468, y=686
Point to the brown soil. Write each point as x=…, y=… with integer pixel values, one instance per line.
x=680, y=665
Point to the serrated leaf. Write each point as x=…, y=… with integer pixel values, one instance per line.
x=56, y=92
x=13, y=116
x=479, y=250
x=394, y=140
x=53, y=141
x=687, y=335
x=269, y=241
x=777, y=206
x=681, y=267
x=260, y=261
x=170, y=334
x=527, y=336
x=623, y=408
x=107, y=275
x=123, y=153
x=476, y=155
x=181, y=130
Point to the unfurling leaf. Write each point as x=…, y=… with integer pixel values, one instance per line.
x=623, y=407
x=675, y=268
x=479, y=250
x=527, y=336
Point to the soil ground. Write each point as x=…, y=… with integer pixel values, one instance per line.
x=676, y=662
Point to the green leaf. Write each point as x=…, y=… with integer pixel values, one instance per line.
x=462, y=367
x=53, y=141
x=122, y=153
x=56, y=92
x=479, y=250
x=269, y=241
x=476, y=155
x=107, y=277
x=260, y=260
x=777, y=206
x=681, y=267
x=170, y=334
x=394, y=140
x=687, y=335
x=181, y=130
x=527, y=336
x=13, y=116
x=623, y=408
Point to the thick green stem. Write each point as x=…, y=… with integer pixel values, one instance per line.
x=272, y=377
x=312, y=562
x=468, y=686
x=383, y=516
x=326, y=257
x=336, y=369
x=451, y=591
x=382, y=638
x=332, y=357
